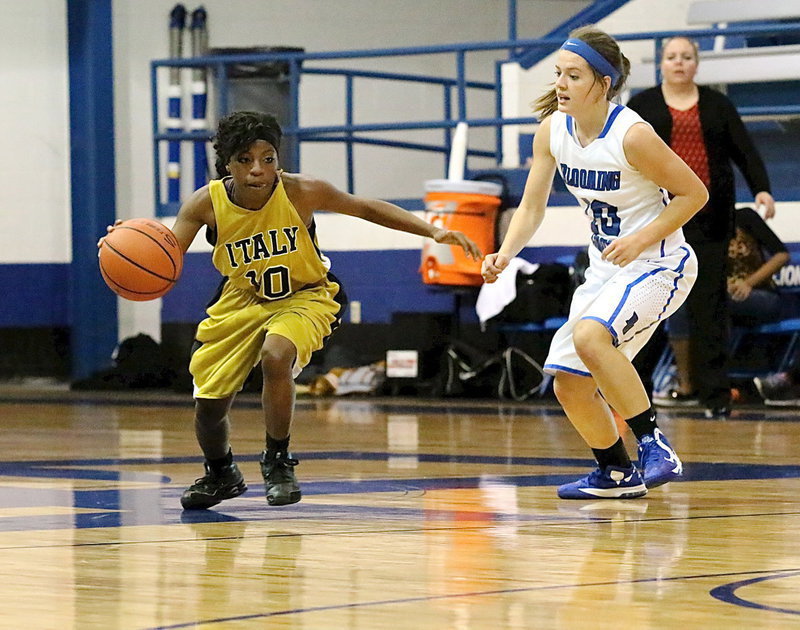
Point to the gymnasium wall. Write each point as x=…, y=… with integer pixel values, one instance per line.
x=34, y=172
x=379, y=267
x=35, y=192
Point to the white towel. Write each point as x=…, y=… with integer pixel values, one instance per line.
x=493, y=298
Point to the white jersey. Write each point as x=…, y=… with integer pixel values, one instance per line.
x=616, y=197
x=629, y=301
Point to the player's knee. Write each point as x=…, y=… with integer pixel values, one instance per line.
x=592, y=340
x=277, y=360
x=570, y=388
x=561, y=387
x=209, y=411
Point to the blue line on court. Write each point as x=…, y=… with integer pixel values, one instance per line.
x=693, y=471
x=727, y=593
x=429, y=598
x=147, y=498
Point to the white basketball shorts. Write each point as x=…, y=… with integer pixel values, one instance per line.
x=629, y=301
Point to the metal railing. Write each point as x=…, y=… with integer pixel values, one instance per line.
x=349, y=132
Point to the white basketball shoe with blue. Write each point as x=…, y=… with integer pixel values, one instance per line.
x=658, y=460
x=608, y=483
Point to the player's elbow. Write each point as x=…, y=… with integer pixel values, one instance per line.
x=698, y=196
x=704, y=196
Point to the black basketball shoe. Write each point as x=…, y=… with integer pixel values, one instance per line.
x=280, y=484
x=213, y=488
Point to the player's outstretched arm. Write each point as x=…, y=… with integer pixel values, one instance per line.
x=325, y=196
x=194, y=213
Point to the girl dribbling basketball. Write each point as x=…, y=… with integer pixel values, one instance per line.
x=278, y=302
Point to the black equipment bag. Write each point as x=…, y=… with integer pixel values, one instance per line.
x=542, y=294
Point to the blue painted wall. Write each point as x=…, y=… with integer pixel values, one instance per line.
x=384, y=282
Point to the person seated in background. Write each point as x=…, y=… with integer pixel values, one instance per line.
x=755, y=253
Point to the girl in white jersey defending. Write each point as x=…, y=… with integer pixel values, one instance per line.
x=640, y=268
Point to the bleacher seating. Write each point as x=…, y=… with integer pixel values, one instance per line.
x=727, y=11
x=737, y=59
x=785, y=360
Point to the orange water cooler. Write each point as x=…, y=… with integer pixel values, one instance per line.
x=470, y=207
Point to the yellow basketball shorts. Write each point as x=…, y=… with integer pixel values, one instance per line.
x=230, y=339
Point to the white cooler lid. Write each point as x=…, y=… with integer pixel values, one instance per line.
x=463, y=186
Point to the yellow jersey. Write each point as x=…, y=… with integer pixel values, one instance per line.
x=268, y=251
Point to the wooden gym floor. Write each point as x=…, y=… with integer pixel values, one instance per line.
x=416, y=514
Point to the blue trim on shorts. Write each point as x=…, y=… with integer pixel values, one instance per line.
x=564, y=368
x=628, y=288
x=607, y=326
x=678, y=270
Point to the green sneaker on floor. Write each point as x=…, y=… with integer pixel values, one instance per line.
x=213, y=487
x=280, y=484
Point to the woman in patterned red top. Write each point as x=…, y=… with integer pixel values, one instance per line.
x=703, y=127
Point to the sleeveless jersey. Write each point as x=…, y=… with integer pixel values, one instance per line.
x=269, y=252
x=616, y=197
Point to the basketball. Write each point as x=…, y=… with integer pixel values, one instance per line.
x=140, y=259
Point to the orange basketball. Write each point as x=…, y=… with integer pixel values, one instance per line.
x=140, y=259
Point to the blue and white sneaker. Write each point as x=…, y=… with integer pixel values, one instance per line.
x=658, y=460
x=611, y=483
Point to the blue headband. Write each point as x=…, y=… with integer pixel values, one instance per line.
x=593, y=58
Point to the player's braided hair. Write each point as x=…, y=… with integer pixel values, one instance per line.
x=239, y=130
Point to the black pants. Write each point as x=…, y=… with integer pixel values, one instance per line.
x=709, y=324
x=647, y=358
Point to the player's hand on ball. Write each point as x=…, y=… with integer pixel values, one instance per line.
x=140, y=259
x=109, y=229
x=493, y=265
x=454, y=237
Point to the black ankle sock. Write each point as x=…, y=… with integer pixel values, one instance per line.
x=277, y=446
x=643, y=424
x=614, y=455
x=218, y=464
